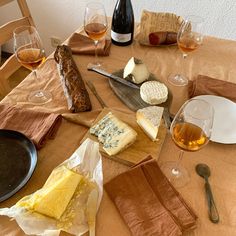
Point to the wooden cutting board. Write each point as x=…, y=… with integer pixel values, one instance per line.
x=131, y=96
x=141, y=148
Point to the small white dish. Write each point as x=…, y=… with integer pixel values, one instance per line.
x=224, y=124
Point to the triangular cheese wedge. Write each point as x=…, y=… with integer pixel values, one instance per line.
x=57, y=192
x=149, y=119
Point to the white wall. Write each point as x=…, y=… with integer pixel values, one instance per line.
x=61, y=17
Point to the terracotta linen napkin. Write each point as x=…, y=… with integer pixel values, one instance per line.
x=148, y=203
x=38, y=126
x=169, y=197
x=81, y=44
x=204, y=85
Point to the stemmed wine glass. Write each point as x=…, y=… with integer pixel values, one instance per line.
x=189, y=38
x=95, y=25
x=30, y=53
x=190, y=130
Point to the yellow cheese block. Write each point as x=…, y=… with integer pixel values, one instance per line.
x=57, y=192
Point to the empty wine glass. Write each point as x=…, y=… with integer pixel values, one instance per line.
x=30, y=53
x=189, y=38
x=190, y=130
x=95, y=25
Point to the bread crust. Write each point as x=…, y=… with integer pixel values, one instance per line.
x=73, y=85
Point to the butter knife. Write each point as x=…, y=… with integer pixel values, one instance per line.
x=111, y=76
x=94, y=91
x=92, y=210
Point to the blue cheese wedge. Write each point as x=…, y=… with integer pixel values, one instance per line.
x=114, y=134
x=136, y=71
x=153, y=92
x=149, y=119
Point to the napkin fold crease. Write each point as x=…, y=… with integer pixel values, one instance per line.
x=38, y=126
x=148, y=203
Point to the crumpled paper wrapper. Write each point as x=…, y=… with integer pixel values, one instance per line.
x=86, y=161
x=158, y=28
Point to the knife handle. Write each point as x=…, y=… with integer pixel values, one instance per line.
x=92, y=230
x=213, y=212
x=167, y=118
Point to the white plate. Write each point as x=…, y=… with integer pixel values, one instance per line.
x=224, y=128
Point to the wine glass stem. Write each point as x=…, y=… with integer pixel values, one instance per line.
x=175, y=170
x=181, y=73
x=35, y=77
x=39, y=93
x=96, y=50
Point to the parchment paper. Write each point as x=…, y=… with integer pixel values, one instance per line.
x=86, y=160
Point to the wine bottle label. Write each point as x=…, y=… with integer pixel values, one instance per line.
x=122, y=38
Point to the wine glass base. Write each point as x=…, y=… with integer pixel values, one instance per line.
x=178, y=177
x=177, y=80
x=40, y=97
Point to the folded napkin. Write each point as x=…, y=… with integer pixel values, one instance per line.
x=204, y=85
x=148, y=203
x=38, y=126
x=81, y=44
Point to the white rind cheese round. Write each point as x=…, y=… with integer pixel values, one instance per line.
x=153, y=92
x=136, y=71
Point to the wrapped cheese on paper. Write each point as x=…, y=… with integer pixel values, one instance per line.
x=158, y=28
x=61, y=203
x=53, y=199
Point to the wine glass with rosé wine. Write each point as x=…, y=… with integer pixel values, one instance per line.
x=30, y=53
x=189, y=38
x=95, y=25
x=190, y=130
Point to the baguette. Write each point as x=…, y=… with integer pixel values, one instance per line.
x=73, y=85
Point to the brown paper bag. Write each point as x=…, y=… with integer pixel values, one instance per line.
x=159, y=28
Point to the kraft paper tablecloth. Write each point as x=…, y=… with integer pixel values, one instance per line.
x=215, y=58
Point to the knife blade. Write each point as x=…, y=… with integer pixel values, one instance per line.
x=114, y=77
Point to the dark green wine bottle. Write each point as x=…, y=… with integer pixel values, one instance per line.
x=122, y=27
